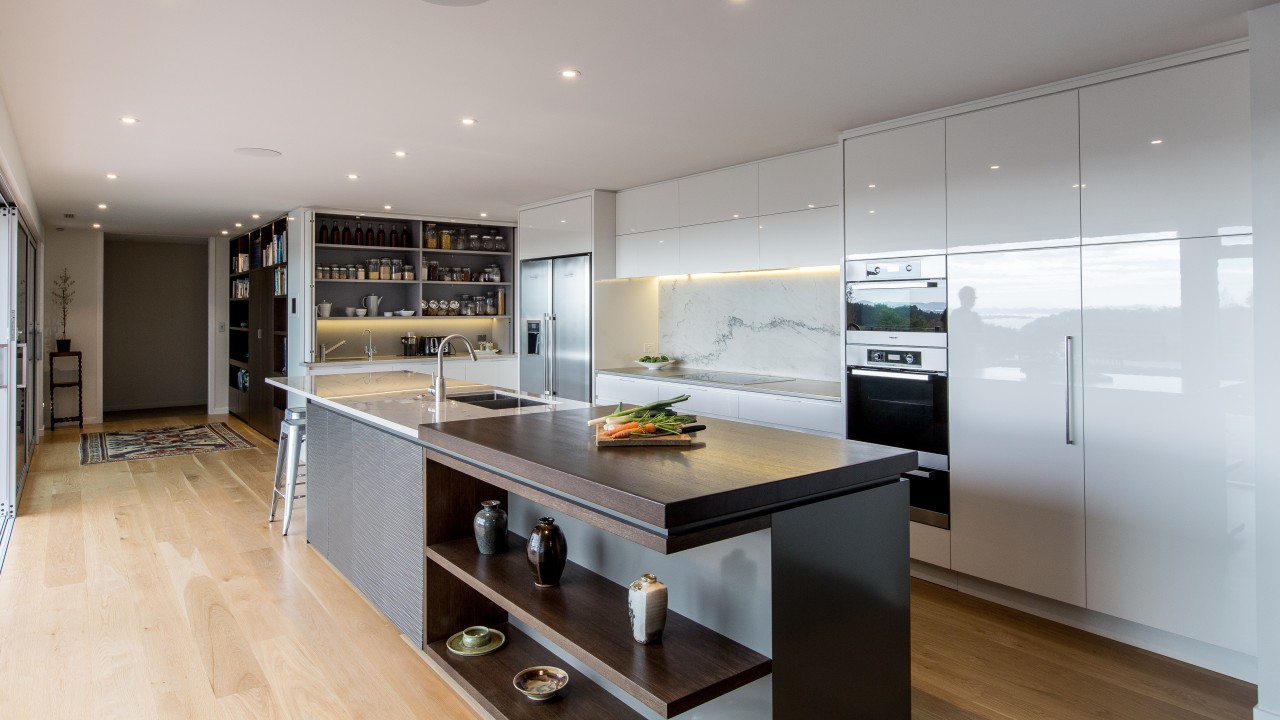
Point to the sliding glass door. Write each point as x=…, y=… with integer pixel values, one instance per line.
x=27, y=349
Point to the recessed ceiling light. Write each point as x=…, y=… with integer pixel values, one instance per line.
x=112, y=176
x=353, y=176
x=468, y=121
x=735, y=216
x=96, y=226
x=386, y=207
x=873, y=212
x=129, y=120
x=224, y=232
x=564, y=221
x=102, y=206
x=255, y=216
x=872, y=186
x=484, y=214
x=995, y=167
x=812, y=206
x=570, y=73
x=239, y=224
x=1156, y=142
x=400, y=153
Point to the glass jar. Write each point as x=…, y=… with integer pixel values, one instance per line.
x=320, y=272
x=465, y=305
x=454, y=307
x=431, y=238
x=360, y=272
x=473, y=240
x=446, y=239
x=397, y=269
x=384, y=268
x=490, y=304
x=433, y=270
x=500, y=242
x=373, y=268
x=486, y=242
x=433, y=307
x=406, y=272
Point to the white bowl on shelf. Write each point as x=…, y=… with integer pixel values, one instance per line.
x=655, y=365
x=405, y=313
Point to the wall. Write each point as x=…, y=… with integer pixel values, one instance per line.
x=14, y=173
x=80, y=252
x=155, y=348
x=626, y=320
x=1264, y=59
x=777, y=322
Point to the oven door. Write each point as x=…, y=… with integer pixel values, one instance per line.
x=908, y=312
x=900, y=409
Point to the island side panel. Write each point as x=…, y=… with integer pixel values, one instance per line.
x=842, y=608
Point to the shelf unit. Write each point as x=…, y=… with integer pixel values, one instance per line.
x=258, y=338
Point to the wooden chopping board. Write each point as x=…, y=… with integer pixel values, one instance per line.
x=603, y=440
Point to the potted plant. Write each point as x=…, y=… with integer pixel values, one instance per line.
x=62, y=296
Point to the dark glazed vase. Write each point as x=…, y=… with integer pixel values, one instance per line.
x=547, y=552
x=64, y=344
x=491, y=528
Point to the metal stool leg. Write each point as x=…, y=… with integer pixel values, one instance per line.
x=297, y=438
x=281, y=444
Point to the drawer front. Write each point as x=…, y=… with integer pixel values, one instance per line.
x=930, y=544
x=614, y=389
x=702, y=400
x=822, y=416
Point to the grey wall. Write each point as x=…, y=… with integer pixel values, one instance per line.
x=154, y=318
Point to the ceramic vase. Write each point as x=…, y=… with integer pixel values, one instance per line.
x=491, y=528
x=647, y=606
x=547, y=552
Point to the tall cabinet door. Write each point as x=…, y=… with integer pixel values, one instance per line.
x=895, y=192
x=1169, y=384
x=1017, y=458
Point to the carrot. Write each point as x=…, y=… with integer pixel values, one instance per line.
x=649, y=429
x=617, y=432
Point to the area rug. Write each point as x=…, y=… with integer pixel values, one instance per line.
x=158, y=442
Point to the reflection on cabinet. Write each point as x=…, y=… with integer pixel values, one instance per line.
x=720, y=247
x=726, y=194
x=563, y=228
x=895, y=192
x=1013, y=175
x=806, y=238
x=1168, y=384
x=1167, y=154
x=645, y=254
x=257, y=343
x=652, y=207
x=801, y=181
x=1017, y=454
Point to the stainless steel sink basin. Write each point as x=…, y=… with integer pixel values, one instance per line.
x=496, y=401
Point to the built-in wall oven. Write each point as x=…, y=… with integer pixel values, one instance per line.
x=897, y=301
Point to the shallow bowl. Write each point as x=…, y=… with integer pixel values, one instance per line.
x=405, y=313
x=540, y=682
x=653, y=365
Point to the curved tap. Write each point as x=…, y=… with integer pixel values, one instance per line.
x=437, y=385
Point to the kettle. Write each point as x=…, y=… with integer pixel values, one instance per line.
x=371, y=302
x=410, y=343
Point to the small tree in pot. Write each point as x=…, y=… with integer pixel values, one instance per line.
x=63, y=293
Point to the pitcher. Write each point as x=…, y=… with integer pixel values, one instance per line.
x=371, y=303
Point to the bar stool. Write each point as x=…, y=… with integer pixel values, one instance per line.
x=292, y=444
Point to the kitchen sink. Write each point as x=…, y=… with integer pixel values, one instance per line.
x=496, y=401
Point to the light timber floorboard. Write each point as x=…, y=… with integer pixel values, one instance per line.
x=156, y=589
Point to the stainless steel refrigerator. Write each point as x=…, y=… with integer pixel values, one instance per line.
x=555, y=326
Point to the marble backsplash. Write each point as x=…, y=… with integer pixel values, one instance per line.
x=784, y=322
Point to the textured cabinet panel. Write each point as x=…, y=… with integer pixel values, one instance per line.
x=1017, y=487
x=652, y=207
x=720, y=247
x=1196, y=181
x=1013, y=175
x=711, y=401
x=801, y=181
x=721, y=195
x=636, y=391
x=563, y=228
x=1169, y=385
x=646, y=254
x=895, y=191
x=820, y=416
x=806, y=238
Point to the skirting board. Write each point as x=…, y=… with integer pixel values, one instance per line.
x=1201, y=654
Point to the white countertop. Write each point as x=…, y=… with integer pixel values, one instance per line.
x=399, y=400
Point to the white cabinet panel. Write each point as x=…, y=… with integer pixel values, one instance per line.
x=721, y=195
x=801, y=181
x=503, y=373
x=1017, y=487
x=821, y=416
x=1013, y=175
x=648, y=253
x=616, y=389
x=895, y=192
x=1169, y=384
x=702, y=400
x=720, y=247
x=800, y=239
x=1195, y=182
x=930, y=544
x=652, y=207
x=562, y=228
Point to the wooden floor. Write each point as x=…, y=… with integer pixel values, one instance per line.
x=155, y=589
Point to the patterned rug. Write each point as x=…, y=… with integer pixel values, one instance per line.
x=158, y=442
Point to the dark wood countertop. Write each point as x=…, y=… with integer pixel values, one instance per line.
x=734, y=471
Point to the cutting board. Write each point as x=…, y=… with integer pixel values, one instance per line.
x=682, y=439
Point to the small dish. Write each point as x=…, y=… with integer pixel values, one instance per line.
x=387, y=314
x=405, y=313
x=654, y=365
x=361, y=312
x=541, y=682
x=496, y=640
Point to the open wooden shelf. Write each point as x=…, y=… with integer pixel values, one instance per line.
x=488, y=679
x=587, y=616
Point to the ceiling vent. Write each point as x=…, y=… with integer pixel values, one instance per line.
x=68, y=216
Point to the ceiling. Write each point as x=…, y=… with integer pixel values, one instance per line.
x=668, y=88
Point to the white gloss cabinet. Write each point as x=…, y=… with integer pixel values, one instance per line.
x=645, y=254
x=720, y=247
x=726, y=194
x=895, y=192
x=563, y=228
x=1013, y=175
x=1017, y=451
x=1167, y=154
x=821, y=416
x=801, y=181
x=651, y=207
x=616, y=389
x=805, y=238
x=1169, y=386
x=702, y=400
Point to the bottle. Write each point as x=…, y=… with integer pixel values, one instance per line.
x=323, y=237
x=346, y=233
x=547, y=552
x=360, y=239
x=502, y=301
x=490, y=525
x=647, y=607
x=382, y=235
x=395, y=237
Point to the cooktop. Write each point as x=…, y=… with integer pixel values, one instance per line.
x=732, y=378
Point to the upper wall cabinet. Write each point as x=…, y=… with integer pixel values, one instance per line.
x=1013, y=176
x=1166, y=155
x=720, y=247
x=895, y=191
x=800, y=181
x=563, y=228
x=649, y=253
x=804, y=238
x=652, y=207
x=726, y=194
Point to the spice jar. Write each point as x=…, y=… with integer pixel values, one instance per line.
x=454, y=307
x=473, y=240
x=433, y=270
x=446, y=239
x=373, y=268
x=500, y=242
x=360, y=272
x=490, y=304
x=431, y=238
x=486, y=242
x=465, y=305
x=397, y=269
x=384, y=268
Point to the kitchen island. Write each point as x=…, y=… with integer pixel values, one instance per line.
x=786, y=554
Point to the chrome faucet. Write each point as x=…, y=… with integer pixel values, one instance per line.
x=437, y=385
x=324, y=349
x=369, y=348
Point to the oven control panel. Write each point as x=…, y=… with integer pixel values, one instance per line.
x=895, y=356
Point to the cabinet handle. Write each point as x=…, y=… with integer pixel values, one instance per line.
x=1070, y=438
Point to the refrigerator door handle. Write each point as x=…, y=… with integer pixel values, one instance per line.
x=549, y=343
x=553, y=386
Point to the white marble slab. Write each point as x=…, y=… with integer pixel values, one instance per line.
x=784, y=323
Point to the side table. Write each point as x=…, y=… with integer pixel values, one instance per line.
x=54, y=385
